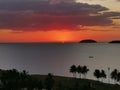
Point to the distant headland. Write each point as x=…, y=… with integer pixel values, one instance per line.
x=115, y=41
x=88, y=41
x=81, y=41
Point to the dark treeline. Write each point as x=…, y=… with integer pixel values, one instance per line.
x=99, y=74
x=15, y=80
x=22, y=80
x=81, y=70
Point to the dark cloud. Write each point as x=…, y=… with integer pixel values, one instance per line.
x=51, y=14
x=111, y=14
x=61, y=1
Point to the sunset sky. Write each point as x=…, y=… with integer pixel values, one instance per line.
x=59, y=20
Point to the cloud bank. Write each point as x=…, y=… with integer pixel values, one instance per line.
x=27, y=15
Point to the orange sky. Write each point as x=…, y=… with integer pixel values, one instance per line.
x=58, y=36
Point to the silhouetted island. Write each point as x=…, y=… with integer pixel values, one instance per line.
x=88, y=41
x=115, y=41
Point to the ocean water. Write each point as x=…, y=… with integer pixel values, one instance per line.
x=56, y=58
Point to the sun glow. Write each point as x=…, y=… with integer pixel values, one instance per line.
x=62, y=37
x=40, y=36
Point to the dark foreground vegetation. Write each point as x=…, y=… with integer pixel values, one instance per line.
x=68, y=83
x=16, y=80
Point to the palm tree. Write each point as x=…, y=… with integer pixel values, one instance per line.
x=24, y=78
x=97, y=74
x=103, y=74
x=84, y=71
x=118, y=77
x=114, y=74
x=49, y=82
x=73, y=69
x=79, y=70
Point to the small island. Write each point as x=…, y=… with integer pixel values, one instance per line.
x=88, y=41
x=115, y=41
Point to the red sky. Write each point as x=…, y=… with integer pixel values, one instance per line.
x=58, y=36
x=58, y=21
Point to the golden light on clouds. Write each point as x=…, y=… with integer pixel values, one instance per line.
x=113, y=5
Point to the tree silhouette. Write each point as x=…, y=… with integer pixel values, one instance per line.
x=97, y=74
x=10, y=80
x=103, y=74
x=84, y=71
x=114, y=75
x=79, y=70
x=118, y=76
x=49, y=82
x=73, y=69
x=24, y=78
x=31, y=83
x=100, y=74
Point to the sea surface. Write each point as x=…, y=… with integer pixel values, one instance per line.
x=56, y=58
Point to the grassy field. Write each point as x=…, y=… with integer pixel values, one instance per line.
x=68, y=83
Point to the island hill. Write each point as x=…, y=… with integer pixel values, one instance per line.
x=115, y=41
x=93, y=41
x=88, y=41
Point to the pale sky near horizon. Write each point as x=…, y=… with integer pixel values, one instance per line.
x=113, y=5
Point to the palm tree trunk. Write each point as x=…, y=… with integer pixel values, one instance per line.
x=75, y=75
x=79, y=75
x=98, y=79
x=85, y=76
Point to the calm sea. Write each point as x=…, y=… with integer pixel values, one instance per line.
x=57, y=58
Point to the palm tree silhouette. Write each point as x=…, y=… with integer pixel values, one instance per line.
x=84, y=71
x=114, y=75
x=73, y=69
x=79, y=70
x=49, y=81
x=25, y=78
x=103, y=74
x=97, y=74
x=118, y=77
